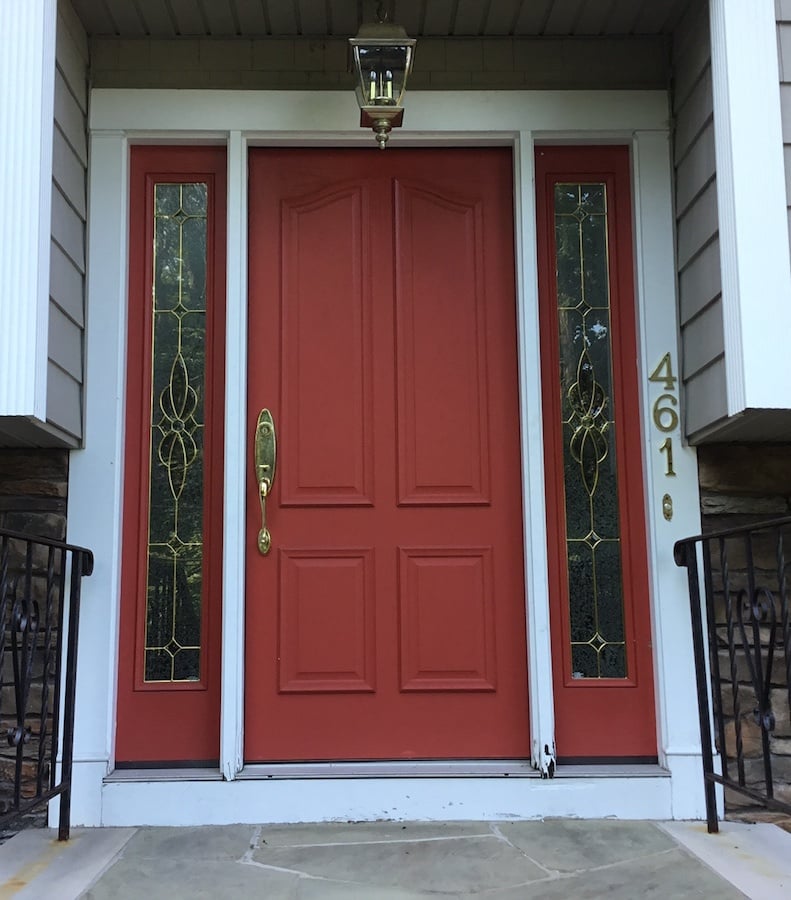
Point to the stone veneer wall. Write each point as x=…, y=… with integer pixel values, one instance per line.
x=33, y=491
x=742, y=484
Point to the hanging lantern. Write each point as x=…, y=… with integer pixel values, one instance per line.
x=382, y=59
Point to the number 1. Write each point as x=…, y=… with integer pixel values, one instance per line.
x=667, y=447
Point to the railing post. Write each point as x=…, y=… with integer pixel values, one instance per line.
x=686, y=555
x=80, y=565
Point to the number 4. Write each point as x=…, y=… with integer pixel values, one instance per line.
x=668, y=378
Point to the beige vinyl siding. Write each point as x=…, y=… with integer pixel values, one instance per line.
x=67, y=258
x=697, y=224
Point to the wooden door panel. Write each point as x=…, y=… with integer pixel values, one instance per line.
x=388, y=621
x=325, y=281
x=447, y=623
x=440, y=288
x=326, y=592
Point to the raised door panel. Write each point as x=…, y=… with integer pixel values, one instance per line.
x=322, y=593
x=326, y=346
x=441, y=366
x=447, y=620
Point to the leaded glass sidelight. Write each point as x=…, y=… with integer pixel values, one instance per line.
x=593, y=543
x=175, y=526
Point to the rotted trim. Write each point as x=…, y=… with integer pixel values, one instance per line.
x=544, y=759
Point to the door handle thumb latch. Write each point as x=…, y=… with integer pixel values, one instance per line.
x=265, y=459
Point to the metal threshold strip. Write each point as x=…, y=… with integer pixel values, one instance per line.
x=509, y=768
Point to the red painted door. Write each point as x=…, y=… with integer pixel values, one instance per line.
x=601, y=629
x=388, y=619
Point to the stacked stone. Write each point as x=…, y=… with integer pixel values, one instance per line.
x=33, y=493
x=742, y=485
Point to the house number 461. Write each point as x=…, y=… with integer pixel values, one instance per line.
x=665, y=408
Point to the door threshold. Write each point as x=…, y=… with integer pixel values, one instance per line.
x=462, y=768
x=175, y=773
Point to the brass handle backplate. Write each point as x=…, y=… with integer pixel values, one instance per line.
x=265, y=459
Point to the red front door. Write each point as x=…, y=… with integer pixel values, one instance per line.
x=388, y=619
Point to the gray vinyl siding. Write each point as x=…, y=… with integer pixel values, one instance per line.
x=783, y=15
x=67, y=256
x=697, y=224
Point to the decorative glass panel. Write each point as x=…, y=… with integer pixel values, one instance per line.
x=593, y=545
x=175, y=527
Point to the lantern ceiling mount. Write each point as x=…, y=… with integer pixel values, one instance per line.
x=382, y=56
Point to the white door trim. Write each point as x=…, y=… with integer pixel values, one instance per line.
x=638, y=118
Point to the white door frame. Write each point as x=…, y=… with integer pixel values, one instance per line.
x=240, y=119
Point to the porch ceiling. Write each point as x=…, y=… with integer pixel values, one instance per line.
x=341, y=18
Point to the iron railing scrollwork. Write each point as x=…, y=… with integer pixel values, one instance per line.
x=741, y=630
x=39, y=595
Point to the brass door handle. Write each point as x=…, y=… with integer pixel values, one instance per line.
x=265, y=459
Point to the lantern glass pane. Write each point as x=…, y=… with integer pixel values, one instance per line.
x=382, y=73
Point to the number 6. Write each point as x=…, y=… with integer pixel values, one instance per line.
x=665, y=417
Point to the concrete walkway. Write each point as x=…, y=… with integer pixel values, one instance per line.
x=556, y=858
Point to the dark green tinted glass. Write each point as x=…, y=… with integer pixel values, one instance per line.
x=178, y=374
x=593, y=550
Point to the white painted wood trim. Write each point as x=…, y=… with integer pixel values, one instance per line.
x=751, y=194
x=27, y=86
x=265, y=801
x=329, y=117
x=236, y=474
x=658, y=333
x=95, y=506
x=539, y=646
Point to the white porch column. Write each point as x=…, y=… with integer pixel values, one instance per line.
x=27, y=85
x=95, y=476
x=232, y=680
x=751, y=194
x=658, y=329
x=539, y=641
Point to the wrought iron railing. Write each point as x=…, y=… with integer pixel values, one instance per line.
x=39, y=597
x=741, y=629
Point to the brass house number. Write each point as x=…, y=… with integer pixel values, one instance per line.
x=665, y=415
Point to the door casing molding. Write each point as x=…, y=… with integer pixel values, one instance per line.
x=639, y=119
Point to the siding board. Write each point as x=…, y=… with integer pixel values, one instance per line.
x=700, y=282
x=691, y=56
x=66, y=285
x=706, y=400
x=70, y=118
x=68, y=229
x=783, y=17
x=67, y=255
x=695, y=171
x=68, y=173
x=65, y=342
x=64, y=401
x=703, y=341
x=694, y=114
x=71, y=62
x=697, y=224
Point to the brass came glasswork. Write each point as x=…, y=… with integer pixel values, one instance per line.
x=593, y=543
x=265, y=460
x=174, y=583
